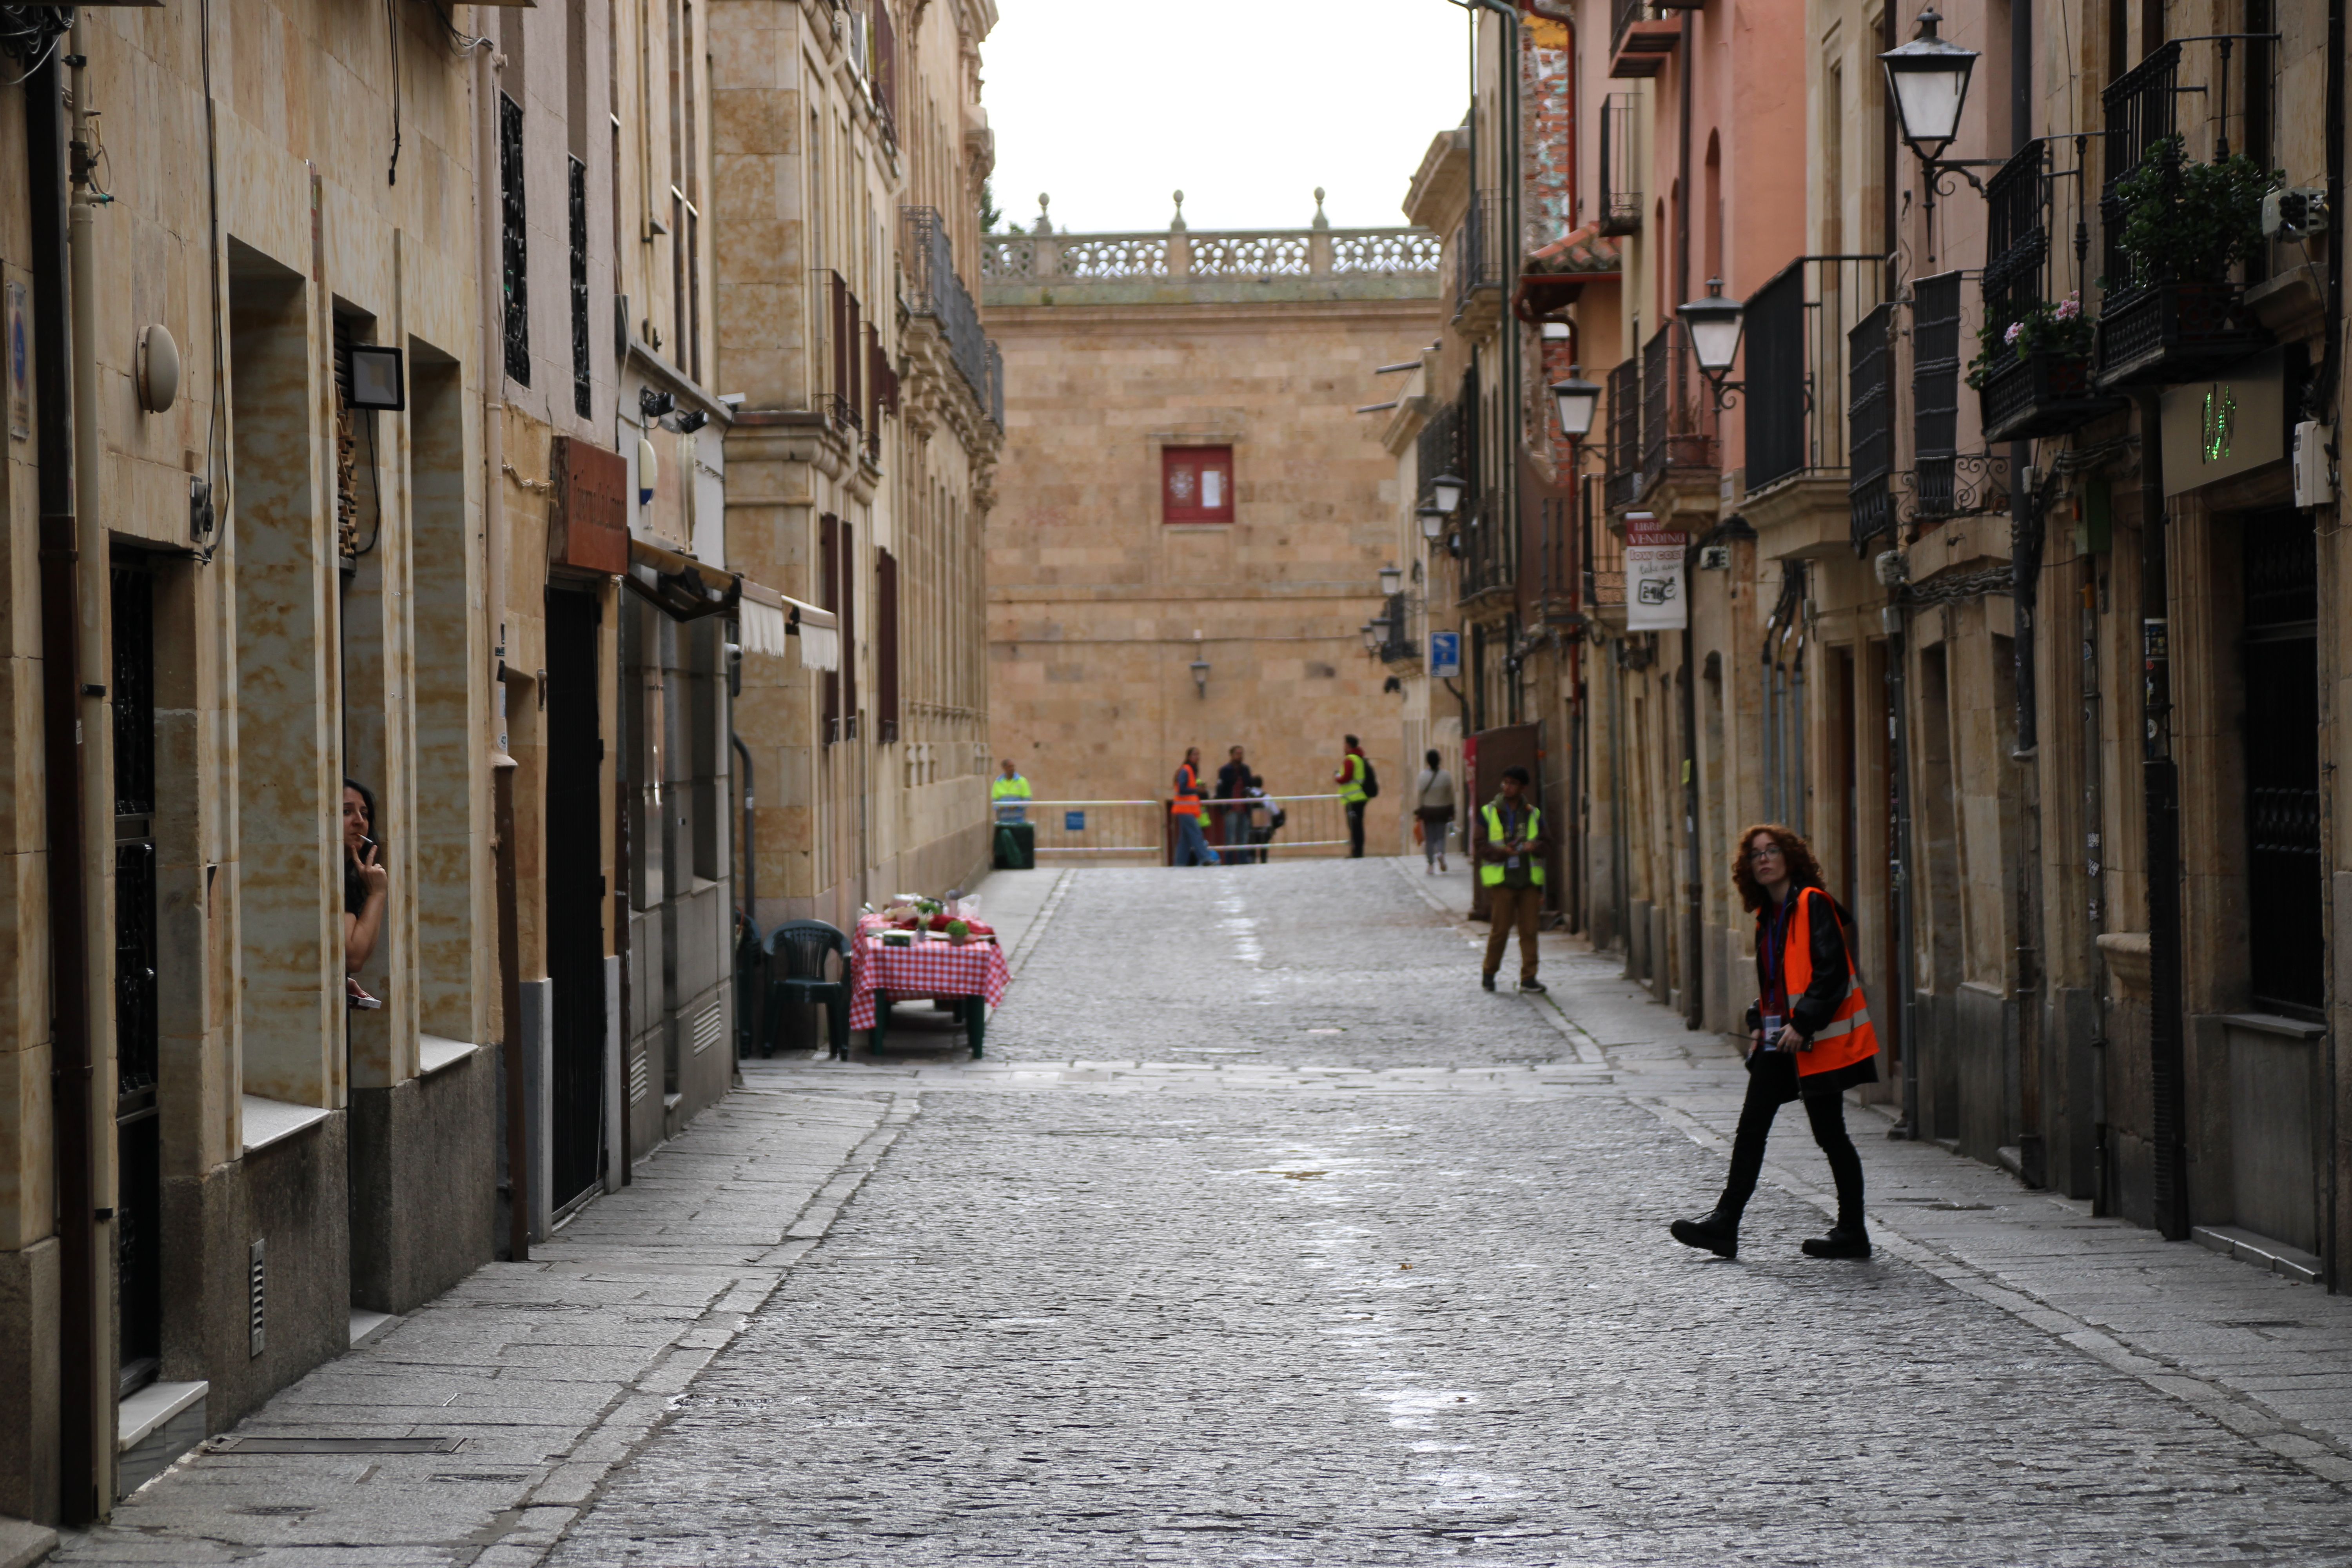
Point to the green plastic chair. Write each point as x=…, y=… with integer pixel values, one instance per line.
x=796, y=954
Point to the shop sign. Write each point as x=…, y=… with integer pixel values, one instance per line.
x=1444, y=655
x=1656, y=593
x=588, y=526
x=2228, y=425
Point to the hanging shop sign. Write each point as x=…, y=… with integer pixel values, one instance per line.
x=2226, y=424
x=588, y=526
x=1656, y=593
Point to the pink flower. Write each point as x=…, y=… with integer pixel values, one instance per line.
x=2014, y=329
x=2068, y=309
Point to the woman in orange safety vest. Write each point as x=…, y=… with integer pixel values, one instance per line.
x=1809, y=1036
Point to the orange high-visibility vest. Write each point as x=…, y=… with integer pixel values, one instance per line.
x=1188, y=793
x=1848, y=1037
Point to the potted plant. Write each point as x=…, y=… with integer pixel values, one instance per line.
x=2184, y=227
x=2033, y=371
x=959, y=932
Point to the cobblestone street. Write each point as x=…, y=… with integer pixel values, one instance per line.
x=1264, y=1235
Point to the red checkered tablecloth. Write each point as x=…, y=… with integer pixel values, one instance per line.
x=925, y=969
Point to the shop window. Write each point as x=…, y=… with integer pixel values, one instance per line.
x=1196, y=484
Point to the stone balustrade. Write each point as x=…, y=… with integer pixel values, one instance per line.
x=1178, y=254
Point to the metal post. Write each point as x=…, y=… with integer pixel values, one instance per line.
x=1895, y=619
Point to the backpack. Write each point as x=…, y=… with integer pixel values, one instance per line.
x=1371, y=781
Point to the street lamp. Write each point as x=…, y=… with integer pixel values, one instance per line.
x=1374, y=633
x=1578, y=400
x=1447, y=490
x=1201, y=675
x=1714, y=324
x=1929, y=80
x=1392, y=579
x=1432, y=523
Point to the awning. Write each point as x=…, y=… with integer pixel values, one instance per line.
x=686, y=590
x=767, y=617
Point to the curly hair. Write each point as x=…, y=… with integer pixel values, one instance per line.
x=1804, y=871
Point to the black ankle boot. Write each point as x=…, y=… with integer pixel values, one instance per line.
x=1844, y=1240
x=1714, y=1232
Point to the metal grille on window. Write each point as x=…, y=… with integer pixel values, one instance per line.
x=581, y=389
x=1936, y=392
x=2285, y=920
x=347, y=478
x=517, y=309
x=137, y=1022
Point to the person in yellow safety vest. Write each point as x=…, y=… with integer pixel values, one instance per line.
x=1009, y=793
x=1511, y=868
x=1192, y=844
x=1353, y=795
x=1810, y=1038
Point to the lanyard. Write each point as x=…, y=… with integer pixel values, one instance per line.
x=1776, y=945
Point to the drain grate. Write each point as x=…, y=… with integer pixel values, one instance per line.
x=336, y=1444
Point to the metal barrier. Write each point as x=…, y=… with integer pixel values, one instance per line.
x=1313, y=824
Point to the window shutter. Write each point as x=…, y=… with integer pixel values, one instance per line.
x=847, y=610
x=885, y=645
x=1936, y=389
x=828, y=546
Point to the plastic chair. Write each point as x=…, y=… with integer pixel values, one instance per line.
x=751, y=986
x=796, y=955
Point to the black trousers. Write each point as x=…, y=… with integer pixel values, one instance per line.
x=1355, y=830
x=1773, y=1082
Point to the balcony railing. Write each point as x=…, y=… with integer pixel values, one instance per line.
x=1625, y=483
x=1620, y=179
x=940, y=294
x=1677, y=414
x=1796, y=390
x=2017, y=233
x=2142, y=108
x=1490, y=547
x=1478, y=248
x=1869, y=422
x=1444, y=448
x=1177, y=255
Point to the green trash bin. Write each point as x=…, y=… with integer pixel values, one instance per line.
x=1016, y=845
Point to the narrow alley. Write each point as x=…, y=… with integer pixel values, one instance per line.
x=1261, y=1234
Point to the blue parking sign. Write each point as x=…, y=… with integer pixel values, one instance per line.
x=1073, y=821
x=1445, y=654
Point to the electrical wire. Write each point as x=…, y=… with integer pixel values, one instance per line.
x=218, y=485
x=375, y=487
x=42, y=60
x=392, y=27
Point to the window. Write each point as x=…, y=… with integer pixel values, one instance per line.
x=517, y=311
x=885, y=645
x=581, y=385
x=1196, y=484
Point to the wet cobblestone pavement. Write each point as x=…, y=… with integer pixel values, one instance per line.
x=1239, y=1310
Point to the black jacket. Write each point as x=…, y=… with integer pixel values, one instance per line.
x=1233, y=781
x=1809, y=1012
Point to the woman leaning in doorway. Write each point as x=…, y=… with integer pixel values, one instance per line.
x=365, y=884
x=1809, y=1038
x=1433, y=806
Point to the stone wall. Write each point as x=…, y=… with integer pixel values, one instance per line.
x=1097, y=609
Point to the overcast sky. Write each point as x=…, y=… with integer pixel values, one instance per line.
x=1244, y=105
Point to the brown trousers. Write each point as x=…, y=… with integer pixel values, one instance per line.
x=1506, y=907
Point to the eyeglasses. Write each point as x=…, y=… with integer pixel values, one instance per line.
x=1771, y=851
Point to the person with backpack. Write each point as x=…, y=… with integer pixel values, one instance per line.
x=1358, y=783
x=1809, y=1038
x=1269, y=810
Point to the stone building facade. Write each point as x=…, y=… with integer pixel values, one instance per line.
x=375, y=437
x=2030, y=642
x=1194, y=514
x=852, y=149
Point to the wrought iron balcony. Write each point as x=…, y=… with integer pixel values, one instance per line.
x=1621, y=181
x=1677, y=411
x=1870, y=423
x=941, y=295
x=1796, y=394
x=1623, y=485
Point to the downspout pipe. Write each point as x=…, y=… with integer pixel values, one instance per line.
x=1896, y=619
x=2331, y=1238
x=1508, y=327
x=80, y=1391
x=492, y=370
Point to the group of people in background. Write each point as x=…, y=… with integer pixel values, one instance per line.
x=1247, y=817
